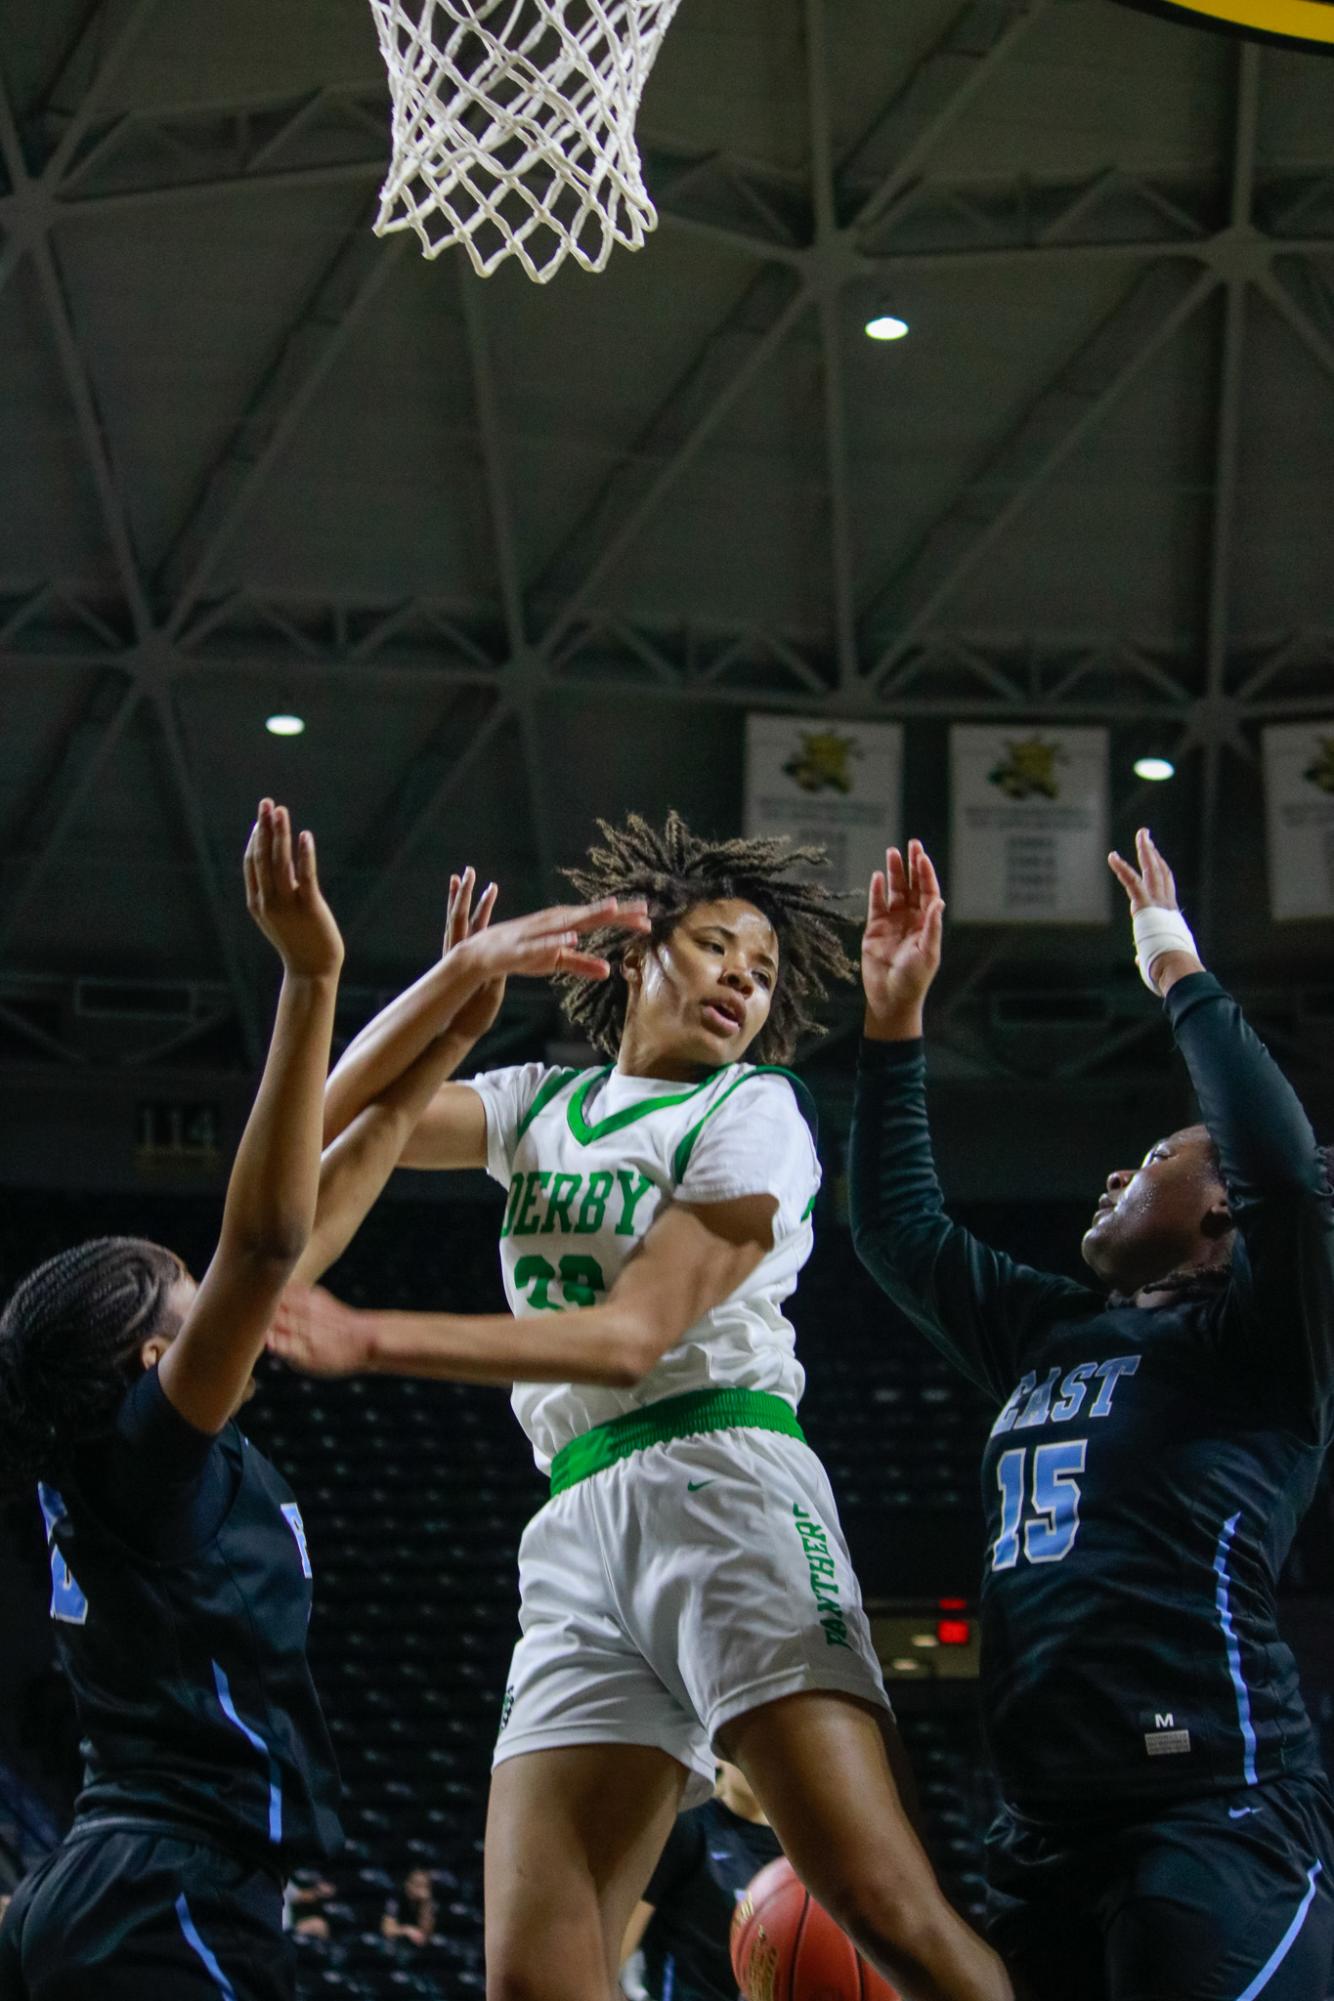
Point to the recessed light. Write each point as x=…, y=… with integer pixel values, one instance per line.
x=885, y=326
x=284, y=725
x=1155, y=769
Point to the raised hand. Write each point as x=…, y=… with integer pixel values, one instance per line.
x=282, y=894
x=476, y=1015
x=316, y=1334
x=901, y=942
x=1165, y=951
x=1151, y=885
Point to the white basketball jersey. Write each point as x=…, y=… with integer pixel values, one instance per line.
x=589, y=1158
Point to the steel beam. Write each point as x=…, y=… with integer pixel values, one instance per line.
x=221, y=912
x=638, y=513
x=951, y=48
x=92, y=434
x=833, y=393
x=56, y=829
x=421, y=821
x=1033, y=449
x=1227, y=444
x=61, y=166
x=278, y=406
x=493, y=455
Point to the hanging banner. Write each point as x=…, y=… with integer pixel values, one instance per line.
x=1299, y=812
x=835, y=783
x=1029, y=819
x=1297, y=24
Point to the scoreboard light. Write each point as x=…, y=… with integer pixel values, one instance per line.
x=952, y=1628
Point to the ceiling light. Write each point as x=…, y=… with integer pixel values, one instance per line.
x=884, y=326
x=284, y=725
x=1155, y=769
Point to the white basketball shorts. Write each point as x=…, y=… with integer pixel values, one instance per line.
x=677, y=1589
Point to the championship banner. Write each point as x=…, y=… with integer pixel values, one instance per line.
x=1299, y=812
x=1294, y=24
x=836, y=783
x=1029, y=826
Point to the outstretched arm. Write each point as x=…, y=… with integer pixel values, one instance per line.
x=1274, y=1171
x=691, y=1260
x=272, y=1191
x=386, y=1132
x=458, y=1000
x=973, y=1303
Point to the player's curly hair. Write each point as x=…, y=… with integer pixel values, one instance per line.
x=69, y=1337
x=675, y=870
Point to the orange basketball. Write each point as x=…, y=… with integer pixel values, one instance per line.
x=785, y=1947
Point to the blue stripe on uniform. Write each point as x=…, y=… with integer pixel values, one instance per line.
x=1285, y=1944
x=252, y=1737
x=196, y=1944
x=1234, y=1650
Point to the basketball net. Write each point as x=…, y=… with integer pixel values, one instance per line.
x=513, y=126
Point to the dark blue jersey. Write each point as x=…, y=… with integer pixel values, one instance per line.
x=1148, y=1468
x=186, y=1651
x=711, y=1856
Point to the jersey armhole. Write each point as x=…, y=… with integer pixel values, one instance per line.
x=805, y=1105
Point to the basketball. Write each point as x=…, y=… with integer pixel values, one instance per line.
x=785, y=1947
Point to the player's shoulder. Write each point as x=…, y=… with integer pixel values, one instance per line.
x=765, y=1091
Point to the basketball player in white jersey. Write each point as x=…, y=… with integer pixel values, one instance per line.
x=686, y=1592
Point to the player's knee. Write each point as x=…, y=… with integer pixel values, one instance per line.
x=898, y=1925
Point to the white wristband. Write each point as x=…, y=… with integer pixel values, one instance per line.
x=1158, y=931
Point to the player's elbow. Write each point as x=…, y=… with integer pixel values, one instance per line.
x=632, y=1351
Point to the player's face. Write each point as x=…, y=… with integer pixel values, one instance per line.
x=1156, y=1217
x=704, y=993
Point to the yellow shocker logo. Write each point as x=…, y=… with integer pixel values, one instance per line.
x=1028, y=769
x=1321, y=773
x=821, y=764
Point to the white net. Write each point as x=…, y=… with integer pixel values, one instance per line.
x=514, y=126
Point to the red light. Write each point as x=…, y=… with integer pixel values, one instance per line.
x=953, y=1632
x=952, y=1604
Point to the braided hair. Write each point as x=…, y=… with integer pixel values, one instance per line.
x=675, y=870
x=70, y=1335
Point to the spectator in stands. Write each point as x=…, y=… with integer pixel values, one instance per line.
x=410, y=1915
x=1167, y=1832
x=686, y=1592
x=682, y=1927
x=304, y=1894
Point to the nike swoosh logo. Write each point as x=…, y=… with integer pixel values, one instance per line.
x=693, y=1486
x=1240, y=1812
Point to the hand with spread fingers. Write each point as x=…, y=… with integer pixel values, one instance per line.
x=901, y=943
x=546, y=941
x=283, y=896
x=1164, y=947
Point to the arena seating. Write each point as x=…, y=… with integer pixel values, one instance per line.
x=414, y=1495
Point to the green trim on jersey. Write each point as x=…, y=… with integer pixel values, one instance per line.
x=617, y=1121
x=681, y=1158
x=551, y=1089
x=672, y=1417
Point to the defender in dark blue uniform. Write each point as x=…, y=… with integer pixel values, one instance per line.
x=1167, y=1833
x=181, y=1579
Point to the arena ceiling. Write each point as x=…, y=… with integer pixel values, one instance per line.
x=522, y=556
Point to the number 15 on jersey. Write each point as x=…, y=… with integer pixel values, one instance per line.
x=1039, y=1502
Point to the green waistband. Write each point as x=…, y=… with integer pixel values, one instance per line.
x=674, y=1417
